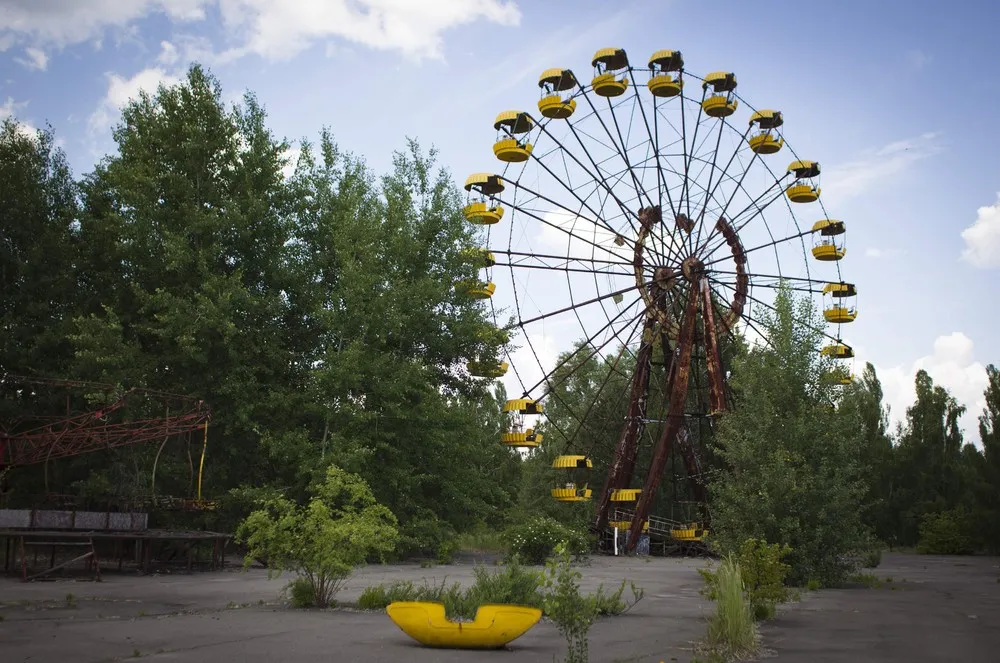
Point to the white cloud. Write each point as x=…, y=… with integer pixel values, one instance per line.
x=59, y=23
x=271, y=29
x=121, y=90
x=291, y=155
x=279, y=31
x=36, y=59
x=855, y=178
x=951, y=365
x=9, y=109
x=982, y=238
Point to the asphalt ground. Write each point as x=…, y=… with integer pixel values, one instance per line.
x=922, y=608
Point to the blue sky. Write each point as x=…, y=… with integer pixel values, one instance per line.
x=895, y=100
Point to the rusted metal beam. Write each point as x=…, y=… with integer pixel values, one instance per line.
x=713, y=359
x=678, y=388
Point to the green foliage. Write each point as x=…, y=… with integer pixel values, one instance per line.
x=481, y=539
x=791, y=473
x=511, y=584
x=946, y=533
x=731, y=629
x=572, y=613
x=872, y=557
x=340, y=527
x=763, y=575
x=536, y=538
x=613, y=603
x=301, y=593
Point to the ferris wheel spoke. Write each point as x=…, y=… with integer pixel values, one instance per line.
x=596, y=177
x=805, y=323
x=712, y=189
x=620, y=146
x=745, y=319
x=753, y=204
x=566, y=259
x=768, y=245
x=735, y=222
x=588, y=302
x=654, y=138
x=588, y=342
x=569, y=188
x=558, y=227
x=752, y=275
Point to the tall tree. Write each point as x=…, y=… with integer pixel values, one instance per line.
x=989, y=433
x=792, y=473
x=38, y=210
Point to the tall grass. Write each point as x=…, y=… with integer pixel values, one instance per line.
x=731, y=630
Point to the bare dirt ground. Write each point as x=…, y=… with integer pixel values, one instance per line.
x=934, y=609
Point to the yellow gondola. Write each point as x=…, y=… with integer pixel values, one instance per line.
x=838, y=351
x=722, y=101
x=509, y=125
x=625, y=494
x=767, y=140
x=625, y=524
x=477, y=289
x=523, y=406
x=804, y=191
x=480, y=207
x=487, y=369
x=528, y=438
x=610, y=78
x=554, y=83
x=663, y=66
x=827, y=247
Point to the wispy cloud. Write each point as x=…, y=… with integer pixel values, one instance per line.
x=855, y=178
x=982, y=238
x=35, y=59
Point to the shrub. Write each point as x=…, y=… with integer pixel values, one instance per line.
x=572, y=613
x=613, y=604
x=946, y=533
x=731, y=630
x=301, y=593
x=872, y=557
x=322, y=542
x=763, y=575
x=535, y=539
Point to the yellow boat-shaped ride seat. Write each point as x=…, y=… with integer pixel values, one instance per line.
x=495, y=624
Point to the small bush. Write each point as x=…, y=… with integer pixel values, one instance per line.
x=614, y=604
x=812, y=585
x=731, y=630
x=763, y=574
x=509, y=584
x=872, y=557
x=446, y=551
x=572, y=613
x=301, y=593
x=946, y=533
x=535, y=540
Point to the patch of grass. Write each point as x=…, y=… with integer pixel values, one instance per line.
x=70, y=600
x=888, y=579
x=480, y=540
x=869, y=580
x=732, y=632
x=813, y=584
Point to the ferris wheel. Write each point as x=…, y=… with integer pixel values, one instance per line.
x=644, y=212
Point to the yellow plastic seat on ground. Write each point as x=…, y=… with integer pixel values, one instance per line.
x=495, y=625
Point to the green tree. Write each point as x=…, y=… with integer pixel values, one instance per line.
x=864, y=398
x=38, y=244
x=324, y=541
x=988, y=488
x=792, y=473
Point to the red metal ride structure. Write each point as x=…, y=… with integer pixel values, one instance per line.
x=698, y=326
x=38, y=433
